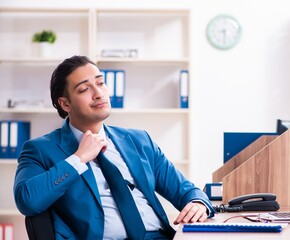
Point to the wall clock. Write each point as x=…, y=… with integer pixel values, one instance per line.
x=223, y=32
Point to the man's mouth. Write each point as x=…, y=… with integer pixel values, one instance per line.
x=99, y=104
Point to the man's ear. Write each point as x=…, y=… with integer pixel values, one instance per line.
x=64, y=103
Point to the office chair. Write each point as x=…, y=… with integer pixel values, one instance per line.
x=40, y=227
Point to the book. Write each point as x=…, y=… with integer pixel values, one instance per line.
x=233, y=227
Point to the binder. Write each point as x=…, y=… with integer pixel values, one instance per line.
x=233, y=227
x=8, y=232
x=4, y=139
x=119, y=88
x=213, y=191
x=110, y=82
x=19, y=132
x=183, y=88
x=1, y=231
x=13, y=134
x=235, y=142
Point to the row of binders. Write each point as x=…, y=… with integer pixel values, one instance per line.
x=6, y=231
x=12, y=136
x=115, y=81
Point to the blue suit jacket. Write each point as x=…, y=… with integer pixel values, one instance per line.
x=44, y=180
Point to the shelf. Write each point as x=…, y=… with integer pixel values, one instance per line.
x=114, y=110
x=151, y=110
x=54, y=61
x=143, y=61
x=10, y=212
x=17, y=27
x=37, y=10
x=31, y=60
x=6, y=161
x=27, y=110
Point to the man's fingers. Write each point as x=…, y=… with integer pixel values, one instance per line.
x=192, y=212
x=182, y=214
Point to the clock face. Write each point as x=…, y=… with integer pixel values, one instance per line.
x=223, y=32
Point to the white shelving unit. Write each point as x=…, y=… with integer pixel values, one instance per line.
x=151, y=102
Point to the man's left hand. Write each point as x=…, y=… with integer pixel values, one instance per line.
x=192, y=212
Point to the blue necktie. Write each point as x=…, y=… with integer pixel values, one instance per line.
x=131, y=217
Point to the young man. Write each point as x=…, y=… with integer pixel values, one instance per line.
x=61, y=171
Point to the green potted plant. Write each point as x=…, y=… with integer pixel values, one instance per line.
x=44, y=36
x=44, y=39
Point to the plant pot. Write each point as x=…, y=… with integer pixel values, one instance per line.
x=43, y=49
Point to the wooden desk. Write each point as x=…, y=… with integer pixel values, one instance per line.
x=220, y=217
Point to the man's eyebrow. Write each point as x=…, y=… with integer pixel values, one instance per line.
x=81, y=82
x=98, y=76
x=86, y=80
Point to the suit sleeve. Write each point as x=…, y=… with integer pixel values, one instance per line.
x=40, y=181
x=173, y=186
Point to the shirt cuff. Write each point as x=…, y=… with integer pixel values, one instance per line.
x=76, y=163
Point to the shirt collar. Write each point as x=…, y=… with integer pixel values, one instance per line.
x=79, y=134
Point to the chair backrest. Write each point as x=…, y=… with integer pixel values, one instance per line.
x=40, y=227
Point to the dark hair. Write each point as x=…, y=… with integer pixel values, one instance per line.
x=58, y=82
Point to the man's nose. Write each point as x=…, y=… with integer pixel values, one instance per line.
x=98, y=93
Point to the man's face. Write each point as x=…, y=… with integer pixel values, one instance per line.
x=88, y=100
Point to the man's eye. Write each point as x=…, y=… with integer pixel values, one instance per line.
x=83, y=90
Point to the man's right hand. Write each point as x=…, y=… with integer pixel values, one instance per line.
x=90, y=146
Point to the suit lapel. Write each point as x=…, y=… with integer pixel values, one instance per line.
x=69, y=145
x=129, y=153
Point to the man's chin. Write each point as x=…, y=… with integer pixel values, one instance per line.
x=105, y=114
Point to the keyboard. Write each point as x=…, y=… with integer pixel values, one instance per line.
x=280, y=214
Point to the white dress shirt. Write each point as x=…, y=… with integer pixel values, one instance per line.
x=114, y=227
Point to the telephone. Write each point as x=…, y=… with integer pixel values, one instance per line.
x=251, y=202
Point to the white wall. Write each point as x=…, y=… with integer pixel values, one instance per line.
x=242, y=89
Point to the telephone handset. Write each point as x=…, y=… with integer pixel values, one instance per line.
x=251, y=202
x=256, y=197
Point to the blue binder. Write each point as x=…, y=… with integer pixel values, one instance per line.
x=19, y=132
x=213, y=191
x=234, y=142
x=110, y=82
x=119, y=88
x=115, y=81
x=183, y=88
x=13, y=135
x=4, y=139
